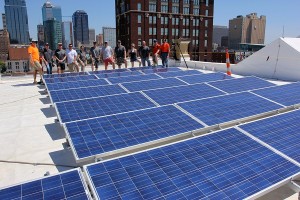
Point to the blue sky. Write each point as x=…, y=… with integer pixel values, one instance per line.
x=101, y=13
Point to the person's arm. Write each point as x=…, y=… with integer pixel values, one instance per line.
x=125, y=53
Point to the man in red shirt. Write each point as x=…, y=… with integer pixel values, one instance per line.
x=165, y=51
x=155, y=52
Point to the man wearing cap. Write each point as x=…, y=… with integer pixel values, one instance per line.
x=155, y=52
x=34, y=60
x=95, y=52
x=72, y=59
x=60, y=57
x=165, y=51
x=107, y=55
x=120, y=54
x=47, y=58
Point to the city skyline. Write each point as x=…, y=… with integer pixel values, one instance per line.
x=280, y=17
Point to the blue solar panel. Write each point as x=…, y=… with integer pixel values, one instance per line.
x=67, y=185
x=64, y=75
x=82, y=93
x=223, y=165
x=109, y=71
x=133, y=78
x=140, y=68
x=152, y=84
x=182, y=93
x=205, y=78
x=101, y=106
x=285, y=94
x=241, y=84
x=229, y=107
x=78, y=84
x=161, y=70
x=106, y=134
x=69, y=79
x=281, y=132
x=179, y=73
x=119, y=74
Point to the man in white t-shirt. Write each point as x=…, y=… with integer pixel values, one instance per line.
x=71, y=58
x=107, y=54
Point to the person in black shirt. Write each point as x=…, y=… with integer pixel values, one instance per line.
x=132, y=53
x=144, y=52
x=95, y=53
x=47, y=58
x=120, y=54
x=81, y=58
x=60, y=57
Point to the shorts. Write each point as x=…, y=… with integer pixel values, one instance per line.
x=62, y=66
x=71, y=66
x=133, y=59
x=36, y=65
x=108, y=60
x=120, y=60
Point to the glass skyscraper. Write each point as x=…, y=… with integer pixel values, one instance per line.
x=67, y=34
x=17, y=21
x=52, y=21
x=80, y=27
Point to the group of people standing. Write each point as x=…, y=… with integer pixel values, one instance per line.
x=105, y=54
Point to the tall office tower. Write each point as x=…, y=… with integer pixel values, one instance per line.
x=249, y=29
x=4, y=21
x=92, y=36
x=52, y=19
x=4, y=41
x=67, y=30
x=40, y=35
x=80, y=27
x=218, y=33
x=169, y=19
x=17, y=21
x=109, y=35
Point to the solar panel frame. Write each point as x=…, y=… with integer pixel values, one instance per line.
x=49, y=183
x=82, y=109
x=135, y=78
x=204, y=78
x=249, y=83
x=108, y=71
x=225, y=179
x=70, y=79
x=118, y=74
x=179, y=73
x=161, y=70
x=46, y=76
x=57, y=96
x=189, y=123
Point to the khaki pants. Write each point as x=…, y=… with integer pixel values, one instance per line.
x=71, y=66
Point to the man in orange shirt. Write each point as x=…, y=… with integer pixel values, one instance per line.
x=155, y=52
x=165, y=51
x=34, y=61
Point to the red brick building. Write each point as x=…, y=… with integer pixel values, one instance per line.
x=145, y=20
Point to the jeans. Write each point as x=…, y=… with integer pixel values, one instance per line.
x=49, y=68
x=144, y=61
x=164, y=58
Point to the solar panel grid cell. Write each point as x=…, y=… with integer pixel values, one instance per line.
x=115, y=80
x=78, y=84
x=82, y=93
x=179, y=73
x=101, y=106
x=223, y=165
x=64, y=75
x=69, y=79
x=100, y=135
x=229, y=107
x=161, y=70
x=119, y=74
x=193, y=79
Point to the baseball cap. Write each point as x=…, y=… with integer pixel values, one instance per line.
x=154, y=40
x=119, y=41
x=34, y=40
x=106, y=42
x=47, y=44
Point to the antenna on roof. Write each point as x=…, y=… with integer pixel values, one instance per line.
x=283, y=31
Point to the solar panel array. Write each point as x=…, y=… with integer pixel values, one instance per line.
x=179, y=73
x=124, y=79
x=64, y=75
x=193, y=79
x=78, y=84
x=66, y=185
x=160, y=70
x=70, y=78
x=224, y=165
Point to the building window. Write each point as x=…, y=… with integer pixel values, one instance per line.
x=175, y=21
x=150, y=42
x=186, y=1
x=196, y=2
x=206, y=2
x=206, y=12
x=196, y=11
x=175, y=1
x=164, y=8
x=152, y=7
x=139, y=30
x=154, y=31
x=205, y=33
x=186, y=10
x=175, y=9
x=150, y=31
x=139, y=6
x=139, y=19
x=205, y=43
x=206, y=23
x=139, y=42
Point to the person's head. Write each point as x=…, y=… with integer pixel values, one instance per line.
x=154, y=42
x=132, y=45
x=94, y=43
x=106, y=43
x=59, y=45
x=165, y=40
x=34, y=42
x=70, y=46
x=46, y=46
x=81, y=47
x=144, y=43
x=119, y=42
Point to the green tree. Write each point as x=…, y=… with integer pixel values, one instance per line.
x=2, y=67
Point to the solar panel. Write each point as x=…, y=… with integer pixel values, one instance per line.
x=179, y=73
x=101, y=106
x=223, y=165
x=241, y=84
x=229, y=107
x=152, y=84
x=161, y=70
x=108, y=71
x=78, y=84
x=118, y=74
x=65, y=75
x=140, y=68
x=69, y=79
x=193, y=79
x=82, y=93
x=107, y=134
x=133, y=78
x=285, y=94
x=66, y=185
x=281, y=132
x=182, y=93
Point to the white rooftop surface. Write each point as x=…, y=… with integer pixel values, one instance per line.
x=33, y=143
